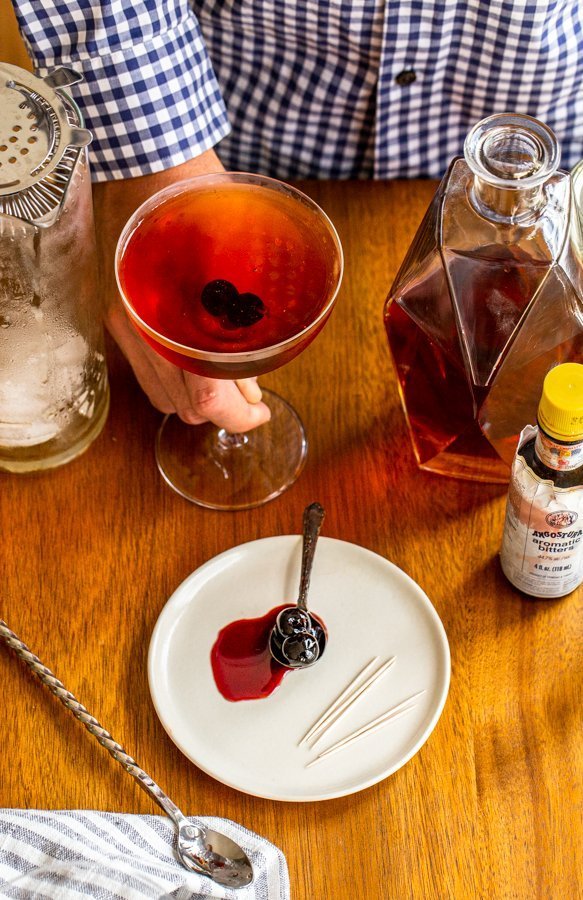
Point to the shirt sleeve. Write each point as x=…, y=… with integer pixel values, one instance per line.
x=149, y=95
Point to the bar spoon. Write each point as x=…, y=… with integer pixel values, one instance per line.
x=199, y=849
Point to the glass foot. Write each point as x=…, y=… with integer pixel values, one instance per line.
x=212, y=468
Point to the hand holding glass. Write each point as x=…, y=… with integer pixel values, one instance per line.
x=230, y=275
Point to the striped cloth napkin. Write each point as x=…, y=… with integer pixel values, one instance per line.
x=108, y=856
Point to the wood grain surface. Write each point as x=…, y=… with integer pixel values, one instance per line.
x=491, y=805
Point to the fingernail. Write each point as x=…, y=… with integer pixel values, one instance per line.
x=264, y=413
x=250, y=390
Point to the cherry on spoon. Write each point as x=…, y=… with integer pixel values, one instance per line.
x=297, y=639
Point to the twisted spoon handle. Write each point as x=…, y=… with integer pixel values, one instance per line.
x=91, y=723
x=313, y=518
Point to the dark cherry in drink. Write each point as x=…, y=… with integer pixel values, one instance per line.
x=264, y=242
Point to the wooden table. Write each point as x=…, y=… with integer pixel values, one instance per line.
x=491, y=805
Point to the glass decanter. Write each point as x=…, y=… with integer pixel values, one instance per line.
x=487, y=300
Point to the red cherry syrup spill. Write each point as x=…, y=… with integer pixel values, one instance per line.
x=243, y=667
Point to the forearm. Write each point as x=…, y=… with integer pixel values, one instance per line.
x=148, y=95
x=115, y=201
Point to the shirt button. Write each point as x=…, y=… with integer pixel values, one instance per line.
x=407, y=76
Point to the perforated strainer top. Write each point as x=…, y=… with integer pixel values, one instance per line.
x=40, y=140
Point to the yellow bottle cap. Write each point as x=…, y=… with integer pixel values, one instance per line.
x=560, y=411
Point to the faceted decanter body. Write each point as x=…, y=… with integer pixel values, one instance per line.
x=487, y=300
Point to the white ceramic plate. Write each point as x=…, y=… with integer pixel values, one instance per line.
x=370, y=608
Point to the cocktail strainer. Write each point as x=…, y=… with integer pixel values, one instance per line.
x=40, y=141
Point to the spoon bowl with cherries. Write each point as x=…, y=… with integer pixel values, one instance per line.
x=250, y=657
x=298, y=639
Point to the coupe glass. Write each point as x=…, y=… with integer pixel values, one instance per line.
x=230, y=275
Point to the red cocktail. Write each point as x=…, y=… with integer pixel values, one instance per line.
x=229, y=276
x=280, y=258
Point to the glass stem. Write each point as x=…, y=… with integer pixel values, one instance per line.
x=228, y=441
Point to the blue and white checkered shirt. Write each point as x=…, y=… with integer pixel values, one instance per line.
x=313, y=88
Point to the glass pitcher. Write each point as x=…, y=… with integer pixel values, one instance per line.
x=54, y=394
x=487, y=300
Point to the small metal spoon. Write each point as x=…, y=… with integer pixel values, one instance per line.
x=199, y=849
x=297, y=639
